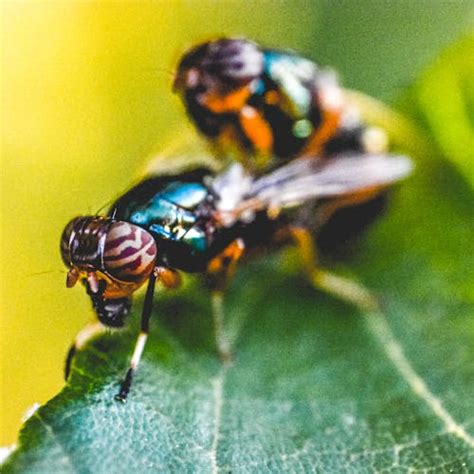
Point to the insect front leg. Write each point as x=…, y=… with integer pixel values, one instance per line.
x=219, y=272
x=328, y=282
x=170, y=279
x=89, y=331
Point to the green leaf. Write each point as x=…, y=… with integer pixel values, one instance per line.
x=314, y=384
x=443, y=98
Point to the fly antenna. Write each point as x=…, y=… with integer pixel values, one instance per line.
x=46, y=272
x=101, y=208
x=169, y=72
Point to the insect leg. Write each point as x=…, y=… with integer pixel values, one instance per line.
x=91, y=330
x=220, y=271
x=222, y=344
x=170, y=279
x=141, y=340
x=340, y=287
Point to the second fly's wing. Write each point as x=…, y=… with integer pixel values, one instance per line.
x=306, y=179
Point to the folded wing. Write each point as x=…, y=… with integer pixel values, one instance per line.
x=306, y=179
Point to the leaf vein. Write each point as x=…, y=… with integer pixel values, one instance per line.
x=218, y=395
x=53, y=436
x=394, y=351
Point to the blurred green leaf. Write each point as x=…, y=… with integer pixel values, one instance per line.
x=380, y=47
x=443, y=102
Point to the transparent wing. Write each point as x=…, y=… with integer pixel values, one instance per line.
x=306, y=179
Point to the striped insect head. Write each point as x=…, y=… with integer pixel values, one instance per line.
x=219, y=66
x=129, y=253
x=100, y=249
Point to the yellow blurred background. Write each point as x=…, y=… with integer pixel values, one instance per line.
x=86, y=98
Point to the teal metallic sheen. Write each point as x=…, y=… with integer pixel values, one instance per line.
x=172, y=213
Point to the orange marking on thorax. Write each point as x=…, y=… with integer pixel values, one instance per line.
x=328, y=128
x=232, y=102
x=256, y=129
x=331, y=112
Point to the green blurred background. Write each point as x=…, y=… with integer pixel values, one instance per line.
x=86, y=101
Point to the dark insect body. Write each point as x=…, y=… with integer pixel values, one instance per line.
x=199, y=223
x=269, y=105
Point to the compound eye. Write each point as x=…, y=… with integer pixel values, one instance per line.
x=129, y=253
x=65, y=241
x=236, y=60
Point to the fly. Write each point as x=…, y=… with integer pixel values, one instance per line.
x=268, y=106
x=202, y=223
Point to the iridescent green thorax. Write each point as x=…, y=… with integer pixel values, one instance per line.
x=177, y=214
x=170, y=214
